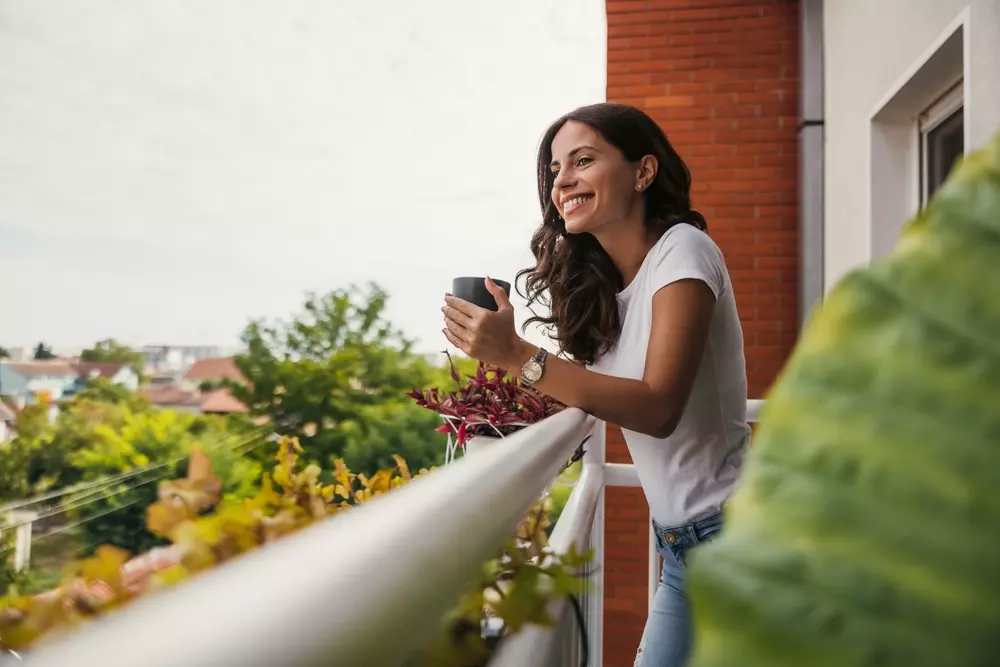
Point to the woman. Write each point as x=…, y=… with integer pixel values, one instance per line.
x=641, y=299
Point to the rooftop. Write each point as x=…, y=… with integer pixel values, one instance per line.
x=214, y=369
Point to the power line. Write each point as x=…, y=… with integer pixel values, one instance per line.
x=73, y=526
x=75, y=504
x=106, y=481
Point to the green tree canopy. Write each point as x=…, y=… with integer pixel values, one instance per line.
x=43, y=351
x=4, y=354
x=336, y=376
x=111, y=351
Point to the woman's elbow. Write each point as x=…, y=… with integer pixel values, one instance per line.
x=664, y=432
x=662, y=428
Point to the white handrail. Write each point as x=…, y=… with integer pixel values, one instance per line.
x=365, y=587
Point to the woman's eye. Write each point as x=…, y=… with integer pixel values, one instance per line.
x=583, y=161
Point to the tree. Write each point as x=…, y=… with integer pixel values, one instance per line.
x=43, y=351
x=117, y=514
x=323, y=375
x=103, y=390
x=380, y=431
x=111, y=351
x=4, y=354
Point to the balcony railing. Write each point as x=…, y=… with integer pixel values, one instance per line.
x=365, y=586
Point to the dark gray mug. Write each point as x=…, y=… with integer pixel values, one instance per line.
x=474, y=291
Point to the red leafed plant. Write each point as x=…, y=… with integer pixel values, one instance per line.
x=490, y=403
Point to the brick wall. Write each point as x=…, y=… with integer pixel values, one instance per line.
x=721, y=78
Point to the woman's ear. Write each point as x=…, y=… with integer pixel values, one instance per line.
x=648, y=167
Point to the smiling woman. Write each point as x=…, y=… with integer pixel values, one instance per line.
x=642, y=301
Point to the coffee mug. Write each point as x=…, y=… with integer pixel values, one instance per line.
x=474, y=290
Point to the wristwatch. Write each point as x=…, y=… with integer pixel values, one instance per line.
x=532, y=370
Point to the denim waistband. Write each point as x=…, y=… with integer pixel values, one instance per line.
x=688, y=535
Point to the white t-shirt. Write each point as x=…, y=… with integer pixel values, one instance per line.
x=688, y=475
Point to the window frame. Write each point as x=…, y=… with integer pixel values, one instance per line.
x=942, y=110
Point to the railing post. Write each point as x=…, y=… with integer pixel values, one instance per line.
x=594, y=608
x=22, y=540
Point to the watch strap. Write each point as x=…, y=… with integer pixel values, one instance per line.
x=540, y=356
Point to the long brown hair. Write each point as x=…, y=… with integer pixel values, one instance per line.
x=573, y=275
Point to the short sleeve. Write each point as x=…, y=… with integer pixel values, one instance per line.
x=686, y=252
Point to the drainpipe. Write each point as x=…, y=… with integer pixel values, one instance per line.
x=811, y=157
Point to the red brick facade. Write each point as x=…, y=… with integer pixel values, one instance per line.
x=721, y=78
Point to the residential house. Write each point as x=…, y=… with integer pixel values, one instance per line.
x=221, y=402
x=211, y=372
x=172, y=397
x=122, y=375
x=198, y=389
x=29, y=380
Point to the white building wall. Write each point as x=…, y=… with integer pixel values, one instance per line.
x=126, y=377
x=871, y=47
x=55, y=386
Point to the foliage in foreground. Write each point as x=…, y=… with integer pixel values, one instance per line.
x=865, y=528
x=516, y=586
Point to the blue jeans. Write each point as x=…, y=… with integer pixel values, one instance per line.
x=666, y=640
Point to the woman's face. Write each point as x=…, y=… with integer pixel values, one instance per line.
x=594, y=185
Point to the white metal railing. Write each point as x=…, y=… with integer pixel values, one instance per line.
x=361, y=588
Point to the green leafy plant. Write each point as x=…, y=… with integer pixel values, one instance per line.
x=865, y=528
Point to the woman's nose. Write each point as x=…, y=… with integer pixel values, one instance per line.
x=562, y=180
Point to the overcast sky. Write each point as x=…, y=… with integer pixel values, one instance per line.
x=170, y=169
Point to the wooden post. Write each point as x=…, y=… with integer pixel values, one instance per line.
x=22, y=543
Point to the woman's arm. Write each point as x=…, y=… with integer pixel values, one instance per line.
x=682, y=315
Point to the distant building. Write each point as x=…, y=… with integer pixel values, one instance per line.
x=176, y=358
x=28, y=380
x=122, y=375
x=18, y=354
x=190, y=393
x=172, y=397
x=212, y=371
x=221, y=402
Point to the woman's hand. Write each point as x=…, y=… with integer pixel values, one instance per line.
x=483, y=334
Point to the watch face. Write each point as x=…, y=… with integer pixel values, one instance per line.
x=531, y=371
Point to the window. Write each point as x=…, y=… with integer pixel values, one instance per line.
x=942, y=141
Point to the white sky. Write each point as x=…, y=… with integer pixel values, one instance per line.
x=170, y=169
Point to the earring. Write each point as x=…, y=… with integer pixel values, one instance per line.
x=639, y=187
